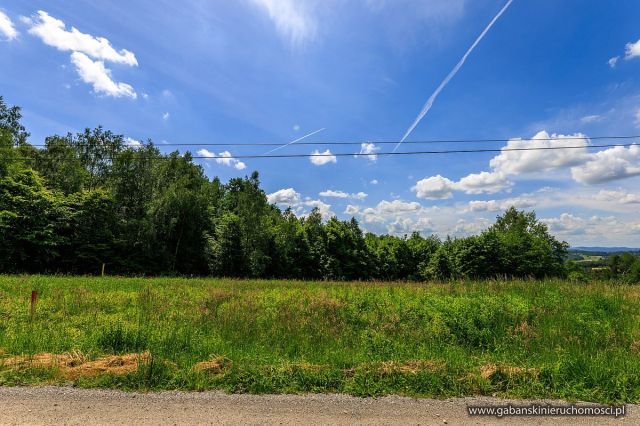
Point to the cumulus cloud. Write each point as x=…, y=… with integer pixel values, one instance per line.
x=407, y=225
x=341, y=194
x=133, y=143
x=89, y=54
x=352, y=210
x=501, y=205
x=434, y=188
x=520, y=162
x=607, y=165
x=291, y=18
x=466, y=227
x=321, y=158
x=586, y=167
x=374, y=182
x=96, y=74
x=368, y=150
x=53, y=32
x=6, y=27
x=323, y=208
x=166, y=116
x=632, y=50
x=613, y=61
x=334, y=194
x=483, y=182
x=618, y=196
x=440, y=188
x=389, y=210
x=223, y=158
x=360, y=195
x=289, y=197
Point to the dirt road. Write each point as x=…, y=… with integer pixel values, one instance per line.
x=69, y=406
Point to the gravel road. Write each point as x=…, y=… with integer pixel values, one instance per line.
x=70, y=406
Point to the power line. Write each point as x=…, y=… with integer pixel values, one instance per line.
x=386, y=142
x=390, y=153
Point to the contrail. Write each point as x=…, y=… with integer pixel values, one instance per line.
x=452, y=74
x=292, y=142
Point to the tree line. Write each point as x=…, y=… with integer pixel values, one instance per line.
x=86, y=199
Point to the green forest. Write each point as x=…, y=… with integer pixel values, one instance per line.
x=88, y=199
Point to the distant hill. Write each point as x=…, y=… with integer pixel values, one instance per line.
x=605, y=249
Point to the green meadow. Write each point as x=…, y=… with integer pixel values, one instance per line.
x=520, y=339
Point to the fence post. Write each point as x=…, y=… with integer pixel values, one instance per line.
x=34, y=298
x=103, y=265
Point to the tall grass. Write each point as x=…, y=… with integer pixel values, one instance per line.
x=511, y=338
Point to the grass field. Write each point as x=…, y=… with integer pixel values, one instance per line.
x=517, y=339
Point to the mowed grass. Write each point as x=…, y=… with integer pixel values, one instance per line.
x=522, y=339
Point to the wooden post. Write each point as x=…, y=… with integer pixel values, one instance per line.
x=34, y=298
x=103, y=265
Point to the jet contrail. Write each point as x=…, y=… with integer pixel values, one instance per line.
x=292, y=142
x=452, y=74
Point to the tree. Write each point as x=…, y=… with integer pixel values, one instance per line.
x=625, y=267
x=224, y=248
x=525, y=246
x=96, y=150
x=347, y=256
x=60, y=165
x=31, y=223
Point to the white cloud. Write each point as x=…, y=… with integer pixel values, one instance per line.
x=323, y=208
x=53, y=32
x=223, y=158
x=406, y=225
x=374, y=182
x=6, y=27
x=613, y=61
x=166, y=116
x=368, y=150
x=483, y=182
x=515, y=159
x=321, y=158
x=632, y=50
x=292, y=20
x=588, y=119
x=334, y=194
x=386, y=210
x=440, y=188
x=95, y=73
x=89, y=53
x=611, y=164
x=520, y=162
x=434, y=188
x=593, y=230
x=501, y=205
x=637, y=118
x=132, y=143
x=465, y=227
x=618, y=196
x=359, y=195
x=397, y=206
x=341, y=194
x=289, y=197
x=352, y=210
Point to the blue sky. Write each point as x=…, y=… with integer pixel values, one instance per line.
x=200, y=71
